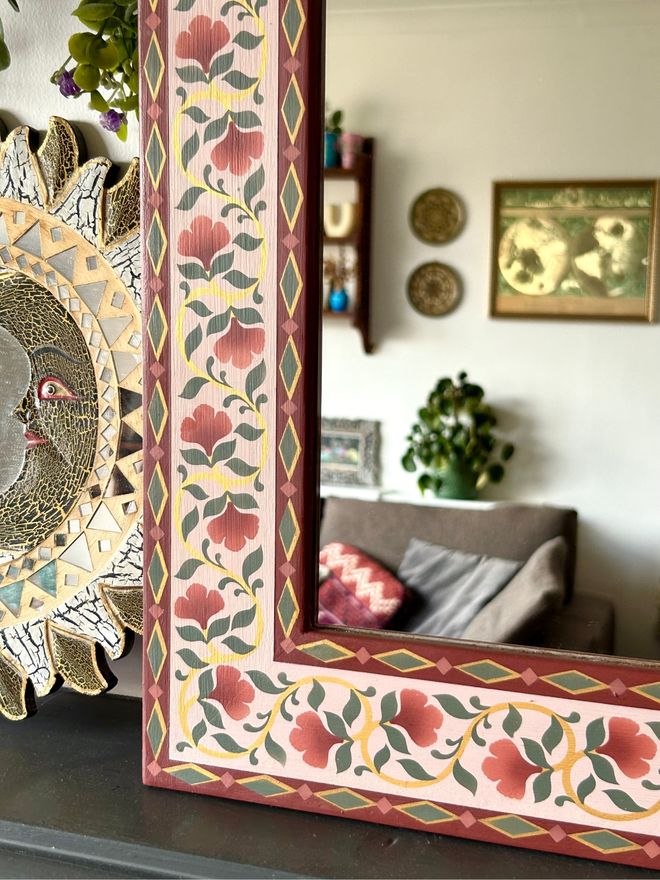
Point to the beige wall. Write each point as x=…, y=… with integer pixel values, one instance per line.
x=459, y=95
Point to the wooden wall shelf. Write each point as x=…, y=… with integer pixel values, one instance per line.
x=359, y=240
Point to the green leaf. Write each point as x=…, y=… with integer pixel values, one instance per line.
x=655, y=727
x=542, y=786
x=192, y=271
x=189, y=522
x=244, y=618
x=218, y=628
x=221, y=264
x=388, y=707
x=191, y=74
x=190, y=634
x=199, y=308
x=253, y=185
x=243, y=501
x=252, y=563
x=212, y=714
x=553, y=735
x=396, y=739
x=263, y=683
x=381, y=758
x=343, y=757
x=623, y=801
x=198, y=731
x=464, y=777
x=189, y=150
x=216, y=128
x=239, y=280
x=650, y=786
x=595, y=734
x=193, y=341
x=247, y=432
x=206, y=684
x=188, y=569
x=247, y=242
x=275, y=750
x=184, y=5
x=336, y=725
x=246, y=40
x=415, y=770
x=223, y=451
x=221, y=65
x=191, y=659
x=512, y=722
x=240, y=467
x=218, y=323
x=239, y=81
x=316, y=695
x=195, y=457
x=255, y=379
x=352, y=709
x=214, y=507
x=248, y=316
x=602, y=768
x=454, y=707
x=189, y=198
x=535, y=753
x=193, y=387
x=238, y=646
x=227, y=743
x=585, y=788
x=196, y=114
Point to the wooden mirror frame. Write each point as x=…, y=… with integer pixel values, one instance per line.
x=244, y=697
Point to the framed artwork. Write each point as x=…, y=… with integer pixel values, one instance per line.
x=70, y=417
x=244, y=697
x=350, y=452
x=575, y=249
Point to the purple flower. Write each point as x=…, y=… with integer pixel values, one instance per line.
x=112, y=121
x=67, y=84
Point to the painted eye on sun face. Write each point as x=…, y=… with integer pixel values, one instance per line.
x=54, y=389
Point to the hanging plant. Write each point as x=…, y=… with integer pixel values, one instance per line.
x=5, y=56
x=105, y=62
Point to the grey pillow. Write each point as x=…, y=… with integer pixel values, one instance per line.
x=450, y=586
x=532, y=595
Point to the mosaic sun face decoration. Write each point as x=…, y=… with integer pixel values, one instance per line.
x=70, y=418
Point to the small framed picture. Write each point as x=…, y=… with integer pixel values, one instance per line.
x=350, y=452
x=575, y=249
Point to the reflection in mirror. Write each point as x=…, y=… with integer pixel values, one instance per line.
x=555, y=545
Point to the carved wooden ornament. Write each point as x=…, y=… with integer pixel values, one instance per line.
x=70, y=417
x=244, y=697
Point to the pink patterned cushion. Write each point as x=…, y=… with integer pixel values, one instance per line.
x=360, y=592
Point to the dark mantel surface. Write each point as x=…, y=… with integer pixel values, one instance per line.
x=72, y=804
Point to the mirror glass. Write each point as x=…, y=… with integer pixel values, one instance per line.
x=552, y=541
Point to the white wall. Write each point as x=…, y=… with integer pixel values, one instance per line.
x=459, y=95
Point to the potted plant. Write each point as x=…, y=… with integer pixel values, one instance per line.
x=333, y=129
x=337, y=273
x=453, y=440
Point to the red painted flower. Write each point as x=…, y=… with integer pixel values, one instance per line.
x=199, y=604
x=629, y=748
x=203, y=240
x=313, y=740
x=237, y=150
x=232, y=692
x=205, y=427
x=418, y=720
x=234, y=528
x=202, y=41
x=509, y=769
x=240, y=344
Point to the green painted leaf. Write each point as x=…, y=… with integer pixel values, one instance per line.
x=275, y=750
x=343, y=757
x=193, y=387
x=246, y=40
x=563, y=799
x=253, y=185
x=623, y=801
x=189, y=522
x=212, y=714
x=192, y=271
x=512, y=722
x=195, y=457
x=218, y=628
x=247, y=432
x=206, y=684
x=244, y=502
x=655, y=727
x=248, y=316
x=595, y=734
x=542, y=786
x=464, y=777
x=602, y=768
x=196, y=114
x=381, y=758
x=263, y=683
x=223, y=451
x=221, y=65
x=388, y=707
x=535, y=753
x=454, y=707
x=216, y=129
x=336, y=725
x=239, y=280
x=316, y=695
x=352, y=709
x=553, y=735
x=650, y=785
x=585, y=788
x=191, y=659
x=247, y=242
x=252, y=563
x=190, y=634
x=184, y=5
x=188, y=569
x=193, y=341
x=198, y=731
x=239, y=81
x=244, y=618
x=221, y=264
x=240, y=467
x=191, y=74
x=396, y=739
x=215, y=506
x=415, y=770
x=227, y=743
x=189, y=150
x=246, y=119
x=181, y=746
x=189, y=198
x=238, y=646
x=218, y=323
x=199, y=308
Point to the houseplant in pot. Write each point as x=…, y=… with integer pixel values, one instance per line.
x=453, y=441
x=333, y=129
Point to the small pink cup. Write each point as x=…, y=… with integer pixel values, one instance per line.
x=350, y=146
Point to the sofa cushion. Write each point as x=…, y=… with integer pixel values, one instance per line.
x=527, y=600
x=450, y=586
x=359, y=592
x=383, y=529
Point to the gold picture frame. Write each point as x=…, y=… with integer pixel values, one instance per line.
x=584, y=250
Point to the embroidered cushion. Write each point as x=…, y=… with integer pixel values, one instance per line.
x=357, y=591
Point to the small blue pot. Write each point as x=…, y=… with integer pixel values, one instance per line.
x=338, y=301
x=332, y=154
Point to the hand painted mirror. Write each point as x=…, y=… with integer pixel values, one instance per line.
x=70, y=418
x=248, y=693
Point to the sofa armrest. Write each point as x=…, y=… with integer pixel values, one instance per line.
x=585, y=624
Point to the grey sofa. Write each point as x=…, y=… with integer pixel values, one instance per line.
x=383, y=530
